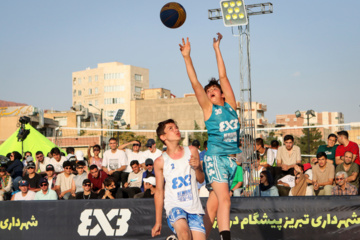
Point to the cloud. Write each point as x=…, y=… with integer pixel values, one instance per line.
x=296, y=74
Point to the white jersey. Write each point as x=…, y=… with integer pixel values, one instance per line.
x=29, y=196
x=180, y=185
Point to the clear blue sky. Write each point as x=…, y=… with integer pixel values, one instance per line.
x=304, y=56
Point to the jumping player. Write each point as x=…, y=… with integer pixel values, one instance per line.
x=218, y=104
x=180, y=168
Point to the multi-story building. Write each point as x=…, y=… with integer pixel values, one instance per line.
x=110, y=86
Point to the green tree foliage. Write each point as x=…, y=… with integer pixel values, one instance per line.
x=200, y=136
x=315, y=141
x=270, y=138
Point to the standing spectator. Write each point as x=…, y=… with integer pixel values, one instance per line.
x=114, y=162
x=110, y=189
x=5, y=182
x=342, y=187
x=152, y=151
x=64, y=181
x=25, y=193
x=288, y=155
x=134, y=154
x=150, y=187
x=351, y=169
x=97, y=178
x=346, y=145
x=301, y=188
x=237, y=184
x=96, y=159
x=86, y=193
x=57, y=160
x=46, y=193
x=32, y=178
x=15, y=168
x=70, y=153
x=133, y=184
x=323, y=175
x=77, y=182
x=51, y=176
x=267, y=187
x=41, y=163
x=329, y=149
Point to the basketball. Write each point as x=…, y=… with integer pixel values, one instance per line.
x=173, y=15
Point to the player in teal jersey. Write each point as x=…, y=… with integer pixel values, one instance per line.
x=218, y=104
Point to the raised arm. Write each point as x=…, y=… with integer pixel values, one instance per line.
x=159, y=195
x=200, y=94
x=123, y=146
x=224, y=81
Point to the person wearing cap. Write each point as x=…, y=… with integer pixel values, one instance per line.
x=64, y=181
x=50, y=176
x=86, y=193
x=57, y=160
x=24, y=194
x=152, y=152
x=45, y=193
x=26, y=161
x=5, y=182
x=78, y=179
x=133, y=184
x=149, y=171
x=97, y=178
x=31, y=177
x=150, y=187
x=15, y=168
x=133, y=154
x=41, y=163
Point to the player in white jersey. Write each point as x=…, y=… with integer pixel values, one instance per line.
x=180, y=168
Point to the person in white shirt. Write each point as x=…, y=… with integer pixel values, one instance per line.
x=41, y=163
x=134, y=154
x=115, y=162
x=152, y=152
x=25, y=193
x=57, y=160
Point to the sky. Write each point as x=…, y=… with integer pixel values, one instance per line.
x=305, y=55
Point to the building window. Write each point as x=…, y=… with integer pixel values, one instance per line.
x=79, y=80
x=74, y=81
x=90, y=79
x=96, y=90
x=74, y=92
x=62, y=121
x=96, y=78
x=90, y=91
x=116, y=88
x=108, y=101
x=138, y=77
x=138, y=89
x=79, y=93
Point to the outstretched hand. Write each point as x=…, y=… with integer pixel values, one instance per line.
x=216, y=42
x=185, y=47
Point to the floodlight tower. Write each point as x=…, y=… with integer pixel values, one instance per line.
x=235, y=14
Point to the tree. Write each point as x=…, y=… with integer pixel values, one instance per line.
x=315, y=141
x=200, y=136
x=270, y=138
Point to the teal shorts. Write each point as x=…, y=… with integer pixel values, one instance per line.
x=219, y=168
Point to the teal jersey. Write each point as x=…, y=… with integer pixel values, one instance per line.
x=223, y=131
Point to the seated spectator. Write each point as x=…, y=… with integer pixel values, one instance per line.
x=86, y=193
x=267, y=187
x=96, y=159
x=132, y=186
x=41, y=163
x=26, y=161
x=45, y=193
x=272, y=152
x=254, y=177
x=77, y=182
x=301, y=188
x=323, y=175
x=329, y=149
x=50, y=176
x=57, y=160
x=80, y=158
x=15, y=169
x=345, y=146
x=25, y=193
x=64, y=181
x=342, y=187
x=27, y=158
x=288, y=155
x=97, y=178
x=5, y=183
x=150, y=187
x=110, y=189
x=70, y=153
x=263, y=152
x=32, y=178
x=237, y=184
x=351, y=169
x=149, y=171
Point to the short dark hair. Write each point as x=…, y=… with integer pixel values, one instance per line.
x=67, y=164
x=97, y=146
x=274, y=143
x=108, y=181
x=70, y=150
x=343, y=133
x=133, y=162
x=259, y=141
x=321, y=154
x=301, y=166
x=92, y=167
x=138, y=142
x=213, y=82
x=332, y=135
x=288, y=137
x=160, y=130
x=55, y=150
x=349, y=152
x=28, y=152
x=39, y=152
x=17, y=155
x=205, y=144
x=112, y=139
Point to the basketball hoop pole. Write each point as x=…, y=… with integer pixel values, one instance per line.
x=247, y=123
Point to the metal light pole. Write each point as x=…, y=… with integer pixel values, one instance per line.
x=308, y=113
x=101, y=123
